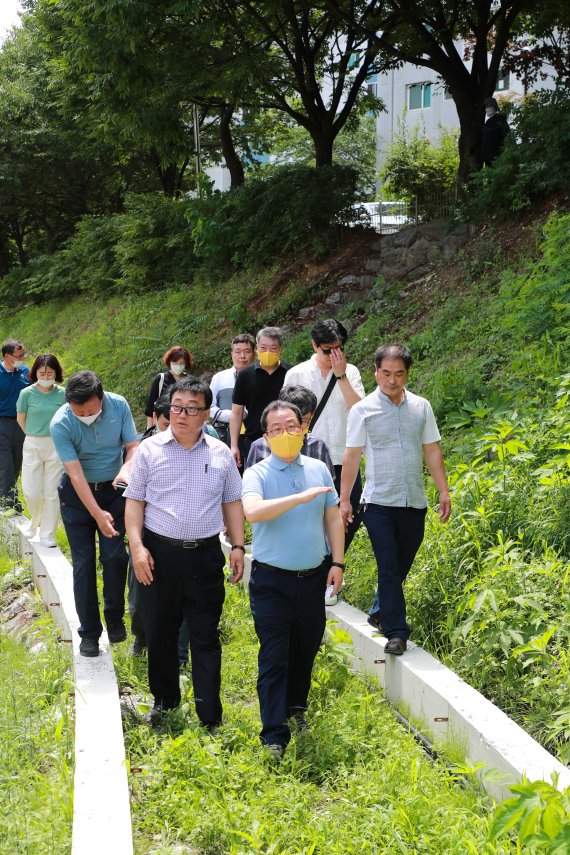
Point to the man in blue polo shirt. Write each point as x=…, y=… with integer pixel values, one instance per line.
x=92, y=433
x=13, y=378
x=298, y=549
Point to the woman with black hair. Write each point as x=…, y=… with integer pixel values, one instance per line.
x=41, y=466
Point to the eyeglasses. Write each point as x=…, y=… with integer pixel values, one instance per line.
x=291, y=429
x=329, y=350
x=188, y=411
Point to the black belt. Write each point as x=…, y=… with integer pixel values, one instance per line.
x=185, y=544
x=300, y=574
x=100, y=485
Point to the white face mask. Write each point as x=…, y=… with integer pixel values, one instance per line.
x=18, y=363
x=177, y=369
x=88, y=420
x=45, y=384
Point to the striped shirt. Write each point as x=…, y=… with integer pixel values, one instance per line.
x=312, y=447
x=184, y=488
x=392, y=437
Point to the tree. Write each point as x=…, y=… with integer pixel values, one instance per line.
x=428, y=33
x=310, y=65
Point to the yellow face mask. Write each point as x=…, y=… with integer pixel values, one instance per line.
x=286, y=445
x=268, y=359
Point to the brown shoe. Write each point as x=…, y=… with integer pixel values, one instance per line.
x=396, y=646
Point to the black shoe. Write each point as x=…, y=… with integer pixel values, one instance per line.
x=300, y=722
x=89, y=647
x=154, y=717
x=396, y=646
x=374, y=620
x=139, y=645
x=213, y=727
x=117, y=632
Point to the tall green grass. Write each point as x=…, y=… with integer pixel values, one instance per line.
x=36, y=743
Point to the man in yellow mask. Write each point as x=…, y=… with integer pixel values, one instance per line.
x=298, y=551
x=255, y=387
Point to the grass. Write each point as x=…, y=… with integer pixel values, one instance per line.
x=360, y=783
x=36, y=747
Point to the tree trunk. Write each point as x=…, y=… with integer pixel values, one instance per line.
x=18, y=235
x=323, y=141
x=167, y=175
x=231, y=157
x=470, y=123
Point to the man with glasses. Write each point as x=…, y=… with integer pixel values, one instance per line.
x=292, y=505
x=327, y=373
x=222, y=384
x=13, y=378
x=183, y=490
x=256, y=386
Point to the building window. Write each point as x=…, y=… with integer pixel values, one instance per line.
x=419, y=96
x=371, y=89
x=503, y=81
x=447, y=96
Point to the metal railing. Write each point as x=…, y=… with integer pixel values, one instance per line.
x=390, y=216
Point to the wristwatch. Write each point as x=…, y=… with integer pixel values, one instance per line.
x=340, y=376
x=237, y=546
x=337, y=564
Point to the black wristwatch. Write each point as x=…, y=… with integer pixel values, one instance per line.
x=337, y=564
x=238, y=546
x=340, y=376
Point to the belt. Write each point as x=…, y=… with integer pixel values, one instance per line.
x=185, y=544
x=8, y=417
x=299, y=574
x=100, y=485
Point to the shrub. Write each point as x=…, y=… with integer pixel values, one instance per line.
x=296, y=208
x=416, y=167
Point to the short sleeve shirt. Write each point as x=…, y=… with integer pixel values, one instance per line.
x=296, y=539
x=254, y=390
x=392, y=437
x=331, y=424
x=99, y=446
x=11, y=384
x=184, y=488
x=40, y=407
x=222, y=386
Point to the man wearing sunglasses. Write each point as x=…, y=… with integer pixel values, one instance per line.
x=327, y=373
x=291, y=502
x=183, y=490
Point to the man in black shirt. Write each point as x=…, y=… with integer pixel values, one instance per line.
x=256, y=387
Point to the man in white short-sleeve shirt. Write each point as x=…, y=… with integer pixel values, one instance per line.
x=328, y=364
x=393, y=427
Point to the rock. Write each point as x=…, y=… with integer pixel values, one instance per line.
x=374, y=264
x=348, y=280
x=421, y=246
x=407, y=237
x=433, y=254
x=367, y=282
x=306, y=312
x=333, y=299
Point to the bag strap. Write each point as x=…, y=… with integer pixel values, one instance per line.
x=323, y=401
x=160, y=385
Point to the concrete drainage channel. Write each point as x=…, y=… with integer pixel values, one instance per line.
x=449, y=709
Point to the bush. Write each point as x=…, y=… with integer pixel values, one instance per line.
x=416, y=167
x=534, y=161
x=297, y=208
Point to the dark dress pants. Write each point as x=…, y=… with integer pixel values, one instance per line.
x=186, y=582
x=355, y=495
x=289, y=618
x=11, y=449
x=82, y=531
x=396, y=535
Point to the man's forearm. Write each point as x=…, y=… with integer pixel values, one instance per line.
x=234, y=519
x=134, y=521
x=349, y=393
x=436, y=466
x=263, y=510
x=236, y=419
x=334, y=527
x=350, y=467
x=81, y=487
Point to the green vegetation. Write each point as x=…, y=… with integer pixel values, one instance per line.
x=36, y=745
x=360, y=784
x=416, y=167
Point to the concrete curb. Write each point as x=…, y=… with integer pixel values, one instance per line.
x=449, y=709
x=101, y=805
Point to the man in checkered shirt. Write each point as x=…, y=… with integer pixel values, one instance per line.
x=184, y=488
x=393, y=427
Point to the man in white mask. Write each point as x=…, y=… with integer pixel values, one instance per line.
x=298, y=550
x=13, y=378
x=95, y=437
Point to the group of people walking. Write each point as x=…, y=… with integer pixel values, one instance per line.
x=275, y=444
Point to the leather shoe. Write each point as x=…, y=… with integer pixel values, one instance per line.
x=117, y=632
x=396, y=646
x=89, y=647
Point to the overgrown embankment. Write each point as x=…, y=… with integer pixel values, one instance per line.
x=489, y=330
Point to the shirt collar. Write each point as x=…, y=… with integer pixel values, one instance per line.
x=278, y=463
x=384, y=397
x=167, y=436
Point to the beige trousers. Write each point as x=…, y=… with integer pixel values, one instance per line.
x=41, y=471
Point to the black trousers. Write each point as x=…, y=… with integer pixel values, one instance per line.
x=355, y=495
x=186, y=582
x=11, y=449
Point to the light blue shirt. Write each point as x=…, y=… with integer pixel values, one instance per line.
x=296, y=539
x=99, y=446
